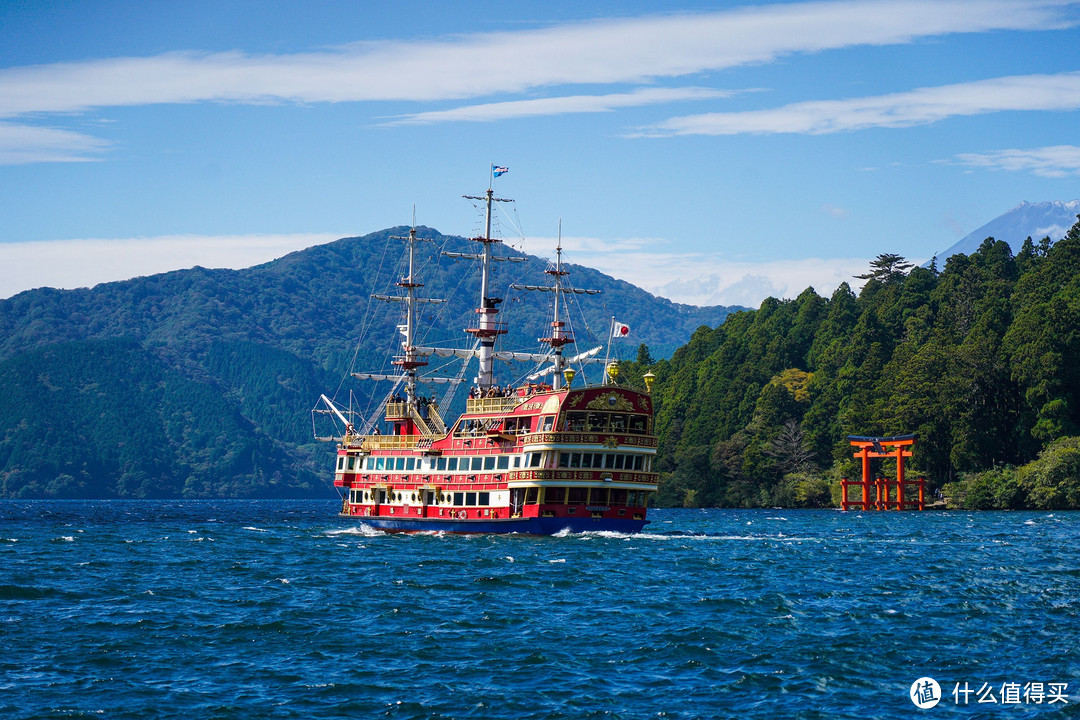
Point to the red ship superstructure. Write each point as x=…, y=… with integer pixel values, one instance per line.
x=539, y=457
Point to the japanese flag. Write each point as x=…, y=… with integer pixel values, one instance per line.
x=621, y=330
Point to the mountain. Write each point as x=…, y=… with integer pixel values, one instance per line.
x=1034, y=220
x=198, y=383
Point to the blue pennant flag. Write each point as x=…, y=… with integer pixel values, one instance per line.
x=497, y=170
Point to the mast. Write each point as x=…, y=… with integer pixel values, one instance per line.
x=559, y=336
x=486, y=329
x=410, y=360
x=411, y=357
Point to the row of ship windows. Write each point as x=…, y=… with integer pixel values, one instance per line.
x=442, y=464
x=605, y=461
x=574, y=422
x=607, y=422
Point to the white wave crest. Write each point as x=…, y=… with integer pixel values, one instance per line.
x=361, y=529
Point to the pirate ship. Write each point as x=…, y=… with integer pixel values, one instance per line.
x=540, y=456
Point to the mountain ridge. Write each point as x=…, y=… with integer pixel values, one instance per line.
x=1051, y=218
x=229, y=363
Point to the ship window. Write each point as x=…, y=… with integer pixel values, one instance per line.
x=534, y=460
x=618, y=423
x=532, y=495
x=470, y=498
x=618, y=497
x=476, y=463
x=637, y=461
x=599, y=496
x=576, y=496
x=459, y=498
x=483, y=498
x=410, y=464
x=379, y=463
x=619, y=459
x=575, y=460
x=554, y=494
x=564, y=459
x=340, y=462
x=400, y=464
x=451, y=464
x=352, y=463
x=489, y=462
x=517, y=461
x=504, y=462
x=597, y=421
x=642, y=498
x=576, y=422
x=548, y=422
x=609, y=461
x=637, y=423
x=440, y=464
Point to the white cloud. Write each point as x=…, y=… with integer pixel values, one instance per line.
x=1056, y=161
x=561, y=105
x=837, y=212
x=626, y=50
x=21, y=144
x=708, y=279
x=87, y=262
x=917, y=107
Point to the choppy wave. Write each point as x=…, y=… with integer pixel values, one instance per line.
x=291, y=613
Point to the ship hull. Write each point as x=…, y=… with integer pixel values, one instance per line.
x=524, y=526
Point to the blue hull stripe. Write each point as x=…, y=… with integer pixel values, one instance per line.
x=530, y=526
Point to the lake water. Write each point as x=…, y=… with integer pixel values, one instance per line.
x=236, y=609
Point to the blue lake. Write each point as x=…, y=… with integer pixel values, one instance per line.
x=238, y=609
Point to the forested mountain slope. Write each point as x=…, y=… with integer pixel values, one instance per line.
x=198, y=383
x=979, y=359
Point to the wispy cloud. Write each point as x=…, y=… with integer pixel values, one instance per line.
x=1056, y=161
x=487, y=112
x=21, y=144
x=707, y=279
x=626, y=50
x=917, y=107
x=87, y=262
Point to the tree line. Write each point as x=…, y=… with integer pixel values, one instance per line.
x=977, y=358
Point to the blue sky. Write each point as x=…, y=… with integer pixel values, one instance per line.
x=710, y=152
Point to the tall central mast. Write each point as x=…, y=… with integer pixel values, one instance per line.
x=487, y=329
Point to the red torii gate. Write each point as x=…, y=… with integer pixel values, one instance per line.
x=875, y=447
